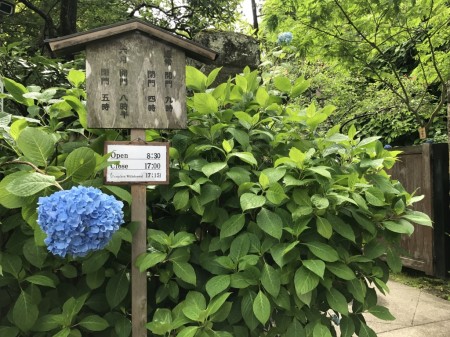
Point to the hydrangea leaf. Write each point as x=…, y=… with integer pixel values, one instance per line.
x=80, y=164
x=261, y=307
x=30, y=184
x=232, y=226
x=323, y=251
x=217, y=284
x=37, y=145
x=94, y=323
x=250, y=201
x=25, y=312
x=270, y=223
x=185, y=272
x=337, y=301
x=117, y=288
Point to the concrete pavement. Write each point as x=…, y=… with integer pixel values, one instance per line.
x=417, y=313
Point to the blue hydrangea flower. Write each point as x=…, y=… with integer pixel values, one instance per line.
x=78, y=220
x=285, y=38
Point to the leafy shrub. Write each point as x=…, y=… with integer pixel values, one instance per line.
x=290, y=225
x=268, y=227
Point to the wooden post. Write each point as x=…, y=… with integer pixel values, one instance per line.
x=139, y=246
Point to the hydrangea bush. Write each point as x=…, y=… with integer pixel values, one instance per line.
x=79, y=220
x=285, y=38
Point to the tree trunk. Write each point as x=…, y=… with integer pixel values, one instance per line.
x=255, y=16
x=68, y=17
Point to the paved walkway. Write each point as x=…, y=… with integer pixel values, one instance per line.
x=417, y=313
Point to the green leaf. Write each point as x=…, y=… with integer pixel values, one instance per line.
x=324, y=227
x=337, y=301
x=211, y=168
x=216, y=303
x=30, y=184
x=120, y=192
x=342, y=228
x=149, y=260
x=36, y=145
x=283, y=84
x=188, y=331
x=17, y=91
x=217, y=284
x=251, y=201
x=195, y=79
x=321, y=330
x=365, y=331
x=94, y=323
x=209, y=193
x=181, y=199
x=319, y=201
x=316, y=266
x=358, y=289
x=76, y=77
x=321, y=170
x=300, y=87
x=76, y=104
x=162, y=322
x=381, y=313
x=41, y=280
x=34, y=254
x=232, y=226
x=375, y=197
x=212, y=76
x=305, y=281
x=418, y=217
x=80, y=164
x=244, y=156
x=11, y=264
x=247, y=310
x=261, y=308
x=185, y=272
x=341, y=270
x=270, y=223
x=347, y=327
x=323, y=251
x=9, y=331
x=96, y=261
x=205, y=104
x=275, y=194
x=270, y=279
x=65, y=332
x=117, y=288
x=400, y=226
x=393, y=260
x=25, y=312
x=8, y=199
x=95, y=280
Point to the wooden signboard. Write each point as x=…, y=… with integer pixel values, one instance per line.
x=137, y=163
x=135, y=79
x=135, y=82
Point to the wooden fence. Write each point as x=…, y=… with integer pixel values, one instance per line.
x=425, y=169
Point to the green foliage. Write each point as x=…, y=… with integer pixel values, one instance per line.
x=384, y=65
x=46, y=150
x=287, y=219
x=269, y=225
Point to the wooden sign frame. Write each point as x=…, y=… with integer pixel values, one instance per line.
x=149, y=158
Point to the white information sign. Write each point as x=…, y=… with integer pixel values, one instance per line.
x=137, y=163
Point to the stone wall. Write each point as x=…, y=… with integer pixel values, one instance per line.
x=236, y=51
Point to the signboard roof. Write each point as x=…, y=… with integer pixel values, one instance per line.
x=77, y=42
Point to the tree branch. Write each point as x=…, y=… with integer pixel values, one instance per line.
x=47, y=18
